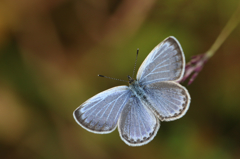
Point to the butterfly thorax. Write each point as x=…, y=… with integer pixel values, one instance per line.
x=137, y=90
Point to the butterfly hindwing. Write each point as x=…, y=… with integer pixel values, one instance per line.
x=137, y=124
x=169, y=100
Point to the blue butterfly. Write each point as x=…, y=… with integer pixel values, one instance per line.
x=137, y=109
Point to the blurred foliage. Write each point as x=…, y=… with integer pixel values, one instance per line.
x=50, y=55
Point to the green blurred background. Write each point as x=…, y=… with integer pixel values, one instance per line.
x=52, y=50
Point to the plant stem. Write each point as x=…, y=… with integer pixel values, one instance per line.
x=230, y=26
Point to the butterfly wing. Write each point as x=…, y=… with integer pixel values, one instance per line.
x=166, y=62
x=137, y=124
x=168, y=100
x=100, y=113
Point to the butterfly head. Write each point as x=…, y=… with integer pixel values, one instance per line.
x=130, y=80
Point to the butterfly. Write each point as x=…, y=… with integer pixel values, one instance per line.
x=137, y=109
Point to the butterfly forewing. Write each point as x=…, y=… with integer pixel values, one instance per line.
x=137, y=124
x=100, y=113
x=165, y=62
x=169, y=100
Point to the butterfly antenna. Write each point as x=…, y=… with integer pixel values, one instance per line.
x=112, y=78
x=135, y=62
